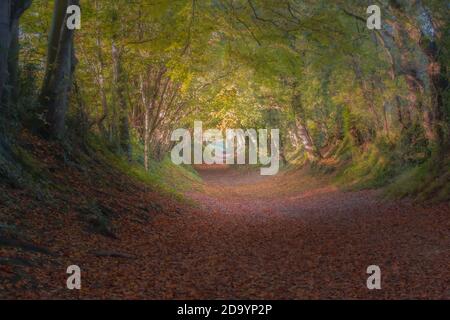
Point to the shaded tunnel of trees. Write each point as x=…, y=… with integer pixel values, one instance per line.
x=136, y=71
x=86, y=120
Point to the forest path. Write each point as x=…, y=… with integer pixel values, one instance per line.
x=290, y=236
x=294, y=236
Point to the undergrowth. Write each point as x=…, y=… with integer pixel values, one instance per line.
x=163, y=176
x=21, y=168
x=403, y=169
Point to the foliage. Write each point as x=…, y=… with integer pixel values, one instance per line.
x=242, y=63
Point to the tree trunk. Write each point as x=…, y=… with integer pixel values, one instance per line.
x=385, y=121
x=102, y=89
x=58, y=88
x=101, y=79
x=403, y=116
x=13, y=66
x=10, y=13
x=415, y=81
x=365, y=90
x=439, y=85
x=146, y=139
x=437, y=71
x=311, y=150
x=146, y=123
x=124, y=130
x=54, y=38
x=5, y=37
x=424, y=33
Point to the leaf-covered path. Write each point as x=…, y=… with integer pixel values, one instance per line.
x=294, y=237
x=252, y=237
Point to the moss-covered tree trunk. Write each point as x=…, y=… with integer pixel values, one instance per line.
x=10, y=13
x=5, y=40
x=311, y=149
x=431, y=44
x=426, y=75
x=54, y=37
x=60, y=67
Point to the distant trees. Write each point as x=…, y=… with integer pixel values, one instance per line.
x=143, y=70
x=136, y=96
x=162, y=106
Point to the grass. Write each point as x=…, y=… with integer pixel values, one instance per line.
x=375, y=166
x=24, y=170
x=370, y=169
x=163, y=176
x=424, y=182
x=379, y=165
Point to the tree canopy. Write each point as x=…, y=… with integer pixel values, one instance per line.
x=137, y=70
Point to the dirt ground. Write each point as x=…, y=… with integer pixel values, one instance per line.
x=250, y=237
